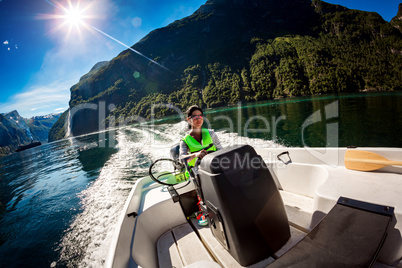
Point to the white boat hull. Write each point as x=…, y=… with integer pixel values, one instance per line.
x=310, y=183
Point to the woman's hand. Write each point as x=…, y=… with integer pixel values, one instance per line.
x=201, y=154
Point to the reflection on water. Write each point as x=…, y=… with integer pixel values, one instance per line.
x=39, y=197
x=364, y=120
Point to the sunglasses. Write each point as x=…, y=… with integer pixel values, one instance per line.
x=197, y=117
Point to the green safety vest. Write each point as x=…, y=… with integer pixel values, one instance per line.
x=195, y=146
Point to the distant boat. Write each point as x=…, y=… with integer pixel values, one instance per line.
x=27, y=146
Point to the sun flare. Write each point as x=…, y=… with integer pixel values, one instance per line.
x=74, y=17
x=70, y=16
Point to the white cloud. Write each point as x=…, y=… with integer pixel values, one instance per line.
x=39, y=100
x=5, y=42
x=136, y=22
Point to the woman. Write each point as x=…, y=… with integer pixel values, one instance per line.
x=191, y=146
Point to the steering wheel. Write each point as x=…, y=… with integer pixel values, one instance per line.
x=198, y=162
x=177, y=166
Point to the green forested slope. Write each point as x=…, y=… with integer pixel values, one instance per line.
x=230, y=51
x=350, y=51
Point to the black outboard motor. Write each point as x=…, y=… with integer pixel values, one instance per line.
x=245, y=210
x=175, y=151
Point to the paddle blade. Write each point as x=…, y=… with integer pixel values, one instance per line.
x=364, y=161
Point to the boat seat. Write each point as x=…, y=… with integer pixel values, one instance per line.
x=351, y=235
x=181, y=247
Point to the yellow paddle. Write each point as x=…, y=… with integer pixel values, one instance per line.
x=367, y=161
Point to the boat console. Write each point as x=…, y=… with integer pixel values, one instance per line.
x=244, y=208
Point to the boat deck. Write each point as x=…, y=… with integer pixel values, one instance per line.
x=180, y=247
x=190, y=243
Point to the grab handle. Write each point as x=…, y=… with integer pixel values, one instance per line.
x=284, y=153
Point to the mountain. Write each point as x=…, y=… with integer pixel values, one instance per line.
x=397, y=20
x=58, y=130
x=16, y=130
x=239, y=50
x=11, y=135
x=40, y=125
x=16, y=121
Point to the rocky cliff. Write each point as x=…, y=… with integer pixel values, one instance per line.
x=16, y=130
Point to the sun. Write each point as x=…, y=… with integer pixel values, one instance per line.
x=74, y=16
x=69, y=15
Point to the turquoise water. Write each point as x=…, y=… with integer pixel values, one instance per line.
x=59, y=202
x=40, y=196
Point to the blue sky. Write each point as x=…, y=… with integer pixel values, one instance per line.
x=43, y=55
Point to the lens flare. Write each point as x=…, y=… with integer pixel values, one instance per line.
x=68, y=16
x=75, y=16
